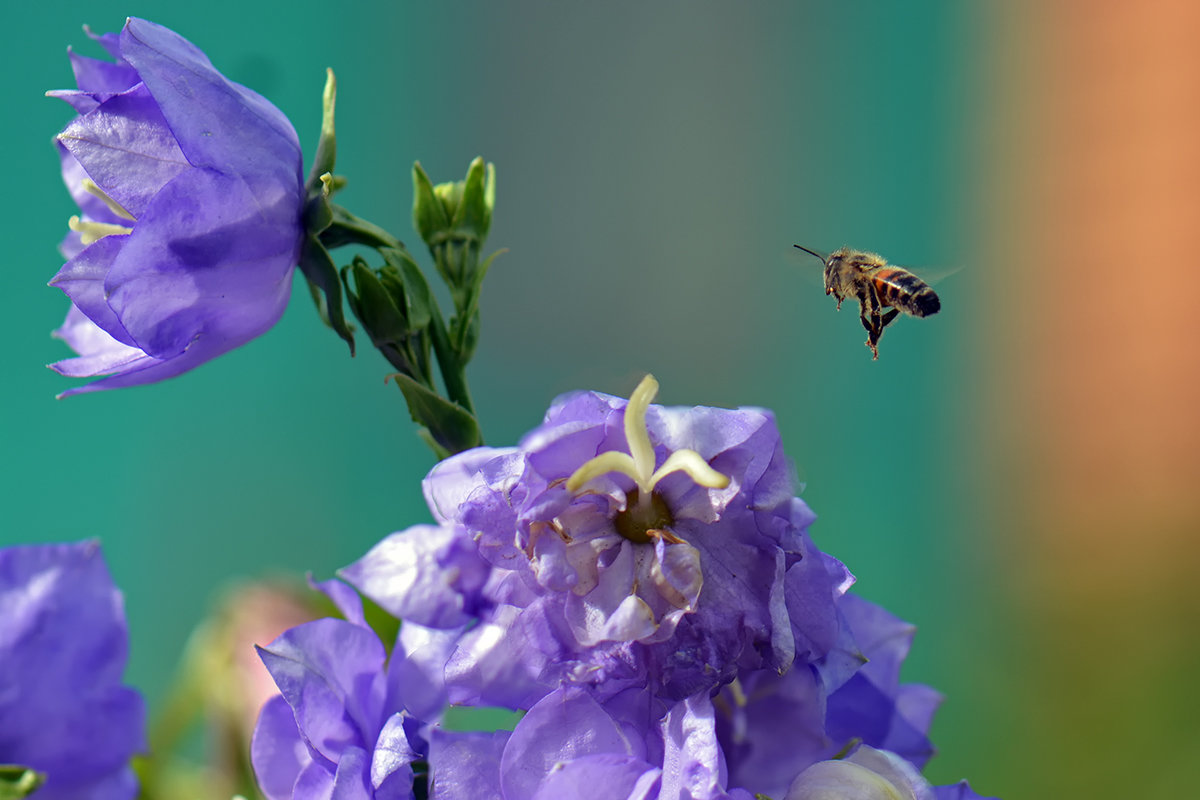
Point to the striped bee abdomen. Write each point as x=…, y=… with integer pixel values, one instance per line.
x=901, y=289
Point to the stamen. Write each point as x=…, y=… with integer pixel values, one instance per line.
x=91, y=188
x=90, y=232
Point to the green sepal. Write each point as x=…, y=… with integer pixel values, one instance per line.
x=325, y=287
x=345, y=228
x=17, y=782
x=318, y=214
x=452, y=428
x=418, y=299
x=374, y=305
x=429, y=214
x=326, y=145
x=474, y=211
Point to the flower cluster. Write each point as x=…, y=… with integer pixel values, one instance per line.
x=63, y=710
x=190, y=193
x=640, y=582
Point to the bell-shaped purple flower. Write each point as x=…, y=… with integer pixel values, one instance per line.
x=63, y=645
x=190, y=190
x=622, y=545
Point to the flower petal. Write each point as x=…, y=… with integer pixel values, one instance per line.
x=218, y=123
x=126, y=148
x=222, y=273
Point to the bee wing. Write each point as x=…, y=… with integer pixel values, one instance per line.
x=934, y=276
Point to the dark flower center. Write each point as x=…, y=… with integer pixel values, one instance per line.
x=642, y=522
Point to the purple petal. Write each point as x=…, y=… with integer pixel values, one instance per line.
x=331, y=673
x=99, y=353
x=452, y=480
x=82, y=279
x=428, y=574
x=218, y=123
x=63, y=646
x=693, y=765
x=277, y=751
x=606, y=776
x=465, y=765
x=351, y=781
x=343, y=597
x=91, y=206
x=391, y=762
x=777, y=732
x=564, y=725
x=416, y=671
x=101, y=77
x=222, y=275
x=125, y=146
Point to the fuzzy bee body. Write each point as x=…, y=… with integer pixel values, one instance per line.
x=900, y=289
x=883, y=291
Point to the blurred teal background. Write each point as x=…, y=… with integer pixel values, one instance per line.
x=655, y=165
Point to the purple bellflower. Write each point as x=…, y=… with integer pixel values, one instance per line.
x=63, y=645
x=349, y=721
x=621, y=545
x=190, y=192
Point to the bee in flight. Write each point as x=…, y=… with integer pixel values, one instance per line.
x=876, y=286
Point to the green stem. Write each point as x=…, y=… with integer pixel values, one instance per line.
x=447, y=358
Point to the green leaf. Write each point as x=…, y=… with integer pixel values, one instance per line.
x=17, y=782
x=326, y=287
x=453, y=428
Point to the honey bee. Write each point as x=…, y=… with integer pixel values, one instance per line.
x=877, y=286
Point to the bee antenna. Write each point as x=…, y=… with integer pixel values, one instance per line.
x=811, y=253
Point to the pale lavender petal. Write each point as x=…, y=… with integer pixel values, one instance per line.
x=99, y=352
x=428, y=574
x=453, y=480
x=605, y=776
x=465, y=765
x=82, y=278
x=564, y=725
x=343, y=597
x=351, y=781
x=693, y=764
x=416, y=671
x=391, y=762
x=331, y=673
x=124, y=145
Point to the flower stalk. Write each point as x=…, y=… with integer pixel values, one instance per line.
x=393, y=302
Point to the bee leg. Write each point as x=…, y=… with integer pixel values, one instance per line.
x=872, y=320
x=887, y=318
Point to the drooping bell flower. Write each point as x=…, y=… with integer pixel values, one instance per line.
x=190, y=191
